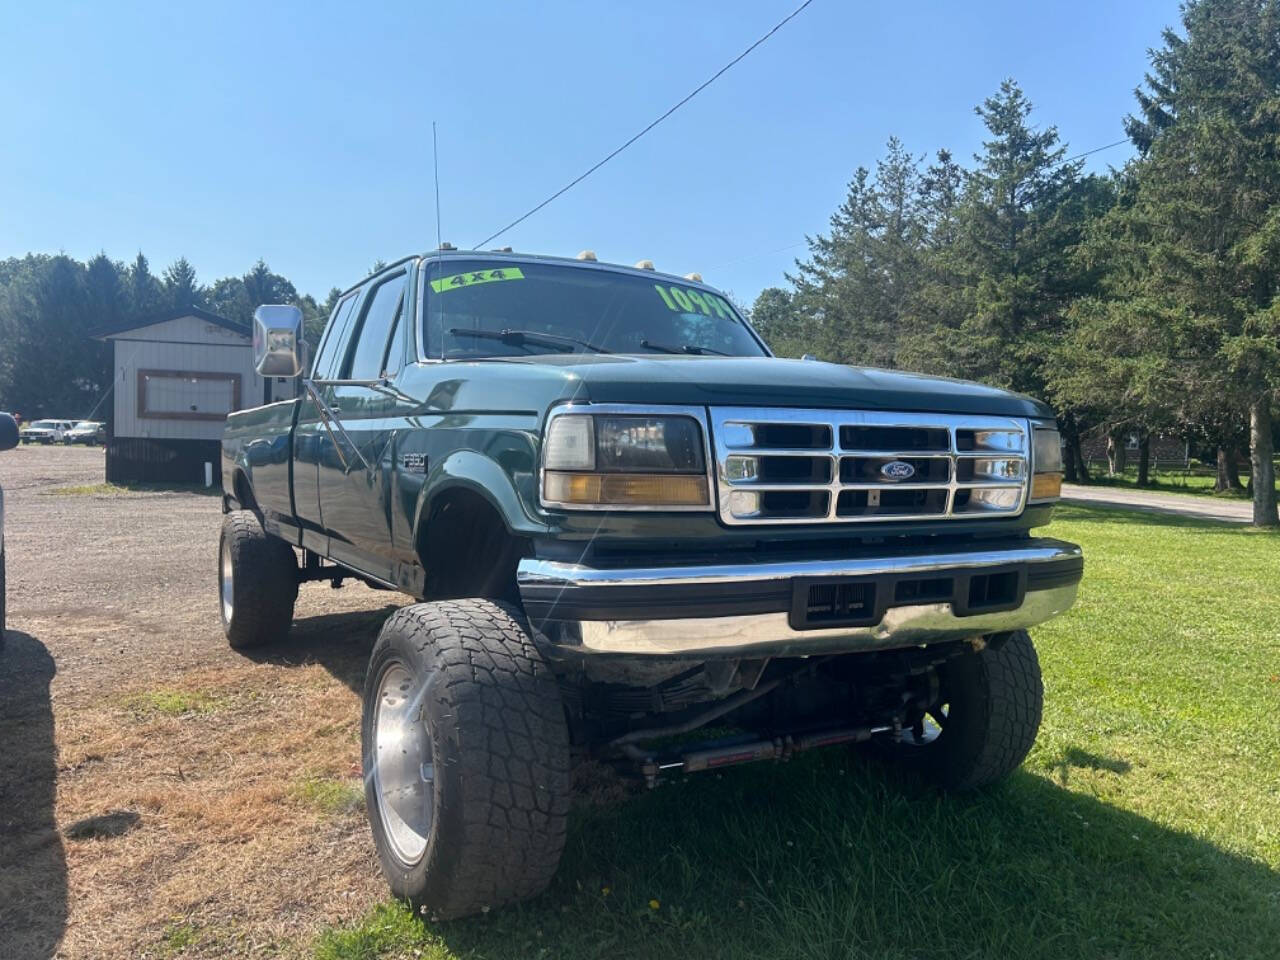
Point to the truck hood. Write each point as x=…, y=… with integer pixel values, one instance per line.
x=770, y=381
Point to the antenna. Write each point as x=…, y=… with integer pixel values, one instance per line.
x=435, y=161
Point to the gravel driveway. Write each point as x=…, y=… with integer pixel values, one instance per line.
x=155, y=786
x=1211, y=508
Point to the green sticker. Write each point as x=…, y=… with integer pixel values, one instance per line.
x=473, y=277
x=688, y=300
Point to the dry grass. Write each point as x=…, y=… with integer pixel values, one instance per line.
x=247, y=782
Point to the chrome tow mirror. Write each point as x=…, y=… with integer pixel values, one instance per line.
x=278, y=347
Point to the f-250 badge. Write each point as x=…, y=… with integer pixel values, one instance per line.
x=414, y=462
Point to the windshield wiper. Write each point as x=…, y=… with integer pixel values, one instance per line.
x=518, y=338
x=684, y=348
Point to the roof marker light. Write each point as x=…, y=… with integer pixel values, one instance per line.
x=695, y=277
x=500, y=250
x=644, y=265
x=446, y=245
x=587, y=255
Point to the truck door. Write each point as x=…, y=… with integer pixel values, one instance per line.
x=310, y=427
x=355, y=471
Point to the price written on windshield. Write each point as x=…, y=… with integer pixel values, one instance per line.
x=689, y=300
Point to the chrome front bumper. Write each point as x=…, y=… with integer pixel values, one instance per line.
x=745, y=609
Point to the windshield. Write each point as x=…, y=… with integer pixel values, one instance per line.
x=43, y=425
x=87, y=425
x=478, y=308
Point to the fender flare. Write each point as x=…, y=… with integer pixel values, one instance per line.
x=476, y=473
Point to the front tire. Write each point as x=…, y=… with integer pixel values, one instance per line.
x=257, y=582
x=466, y=758
x=984, y=720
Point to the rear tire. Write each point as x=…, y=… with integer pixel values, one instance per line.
x=257, y=582
x=466, y=758
x=984, y=721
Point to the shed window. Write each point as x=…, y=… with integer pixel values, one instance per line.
x=187, y=395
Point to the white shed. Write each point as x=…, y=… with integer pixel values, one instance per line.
x=177, y=376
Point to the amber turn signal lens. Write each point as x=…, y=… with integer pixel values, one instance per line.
x=625, y=489
x=1046, y=486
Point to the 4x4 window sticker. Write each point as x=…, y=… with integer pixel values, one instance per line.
x=472, y=277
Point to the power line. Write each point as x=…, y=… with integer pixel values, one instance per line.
x=712, y=79
x=1106, y=146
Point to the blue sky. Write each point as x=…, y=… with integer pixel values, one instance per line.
x=301, y=133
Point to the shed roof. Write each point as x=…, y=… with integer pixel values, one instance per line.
x=111, y=330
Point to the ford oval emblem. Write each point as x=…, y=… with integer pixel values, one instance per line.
x=897, y=470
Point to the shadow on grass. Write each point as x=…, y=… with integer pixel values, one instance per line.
x=33, y=865
x=1151, y=516
x=833, y=857
x=339, y=642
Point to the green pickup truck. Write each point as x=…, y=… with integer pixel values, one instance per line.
x=625, y=520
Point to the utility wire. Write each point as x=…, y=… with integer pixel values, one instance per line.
x=577, y=180
x=1105, y=146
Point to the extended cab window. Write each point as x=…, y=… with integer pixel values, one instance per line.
x=335, y=340
x=373, y=338
x=478, y=308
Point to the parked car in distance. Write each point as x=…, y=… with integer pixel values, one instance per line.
x=8, y=440
x=88, y=432
x=46, y=431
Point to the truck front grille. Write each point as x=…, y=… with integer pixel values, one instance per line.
x=845, y=466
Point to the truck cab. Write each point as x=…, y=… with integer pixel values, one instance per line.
x=604, y=489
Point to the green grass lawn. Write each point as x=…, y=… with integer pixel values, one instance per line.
x=1145, y=823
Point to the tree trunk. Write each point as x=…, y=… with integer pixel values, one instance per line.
x=1117, y=453
x=1144, y=459
x=1262, y=475
x=1070, y=469
x=1228, y=473
x=1075, y=445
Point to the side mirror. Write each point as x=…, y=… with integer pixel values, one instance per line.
x=8, y=432
x=278, y=347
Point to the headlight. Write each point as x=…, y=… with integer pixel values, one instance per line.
x=624, y=460
x=1046, y=464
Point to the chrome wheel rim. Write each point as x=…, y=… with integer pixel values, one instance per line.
x=403, y=763
x=226, y=575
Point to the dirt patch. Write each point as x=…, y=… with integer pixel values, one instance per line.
x=160, y=793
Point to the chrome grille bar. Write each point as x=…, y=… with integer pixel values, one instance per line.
x=980, y=470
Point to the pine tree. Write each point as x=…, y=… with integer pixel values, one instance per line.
x=1019, y=219
x=1206, y=214
x=774, y=317
x=858, y=283
x=181, y=288
x=145, y=296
